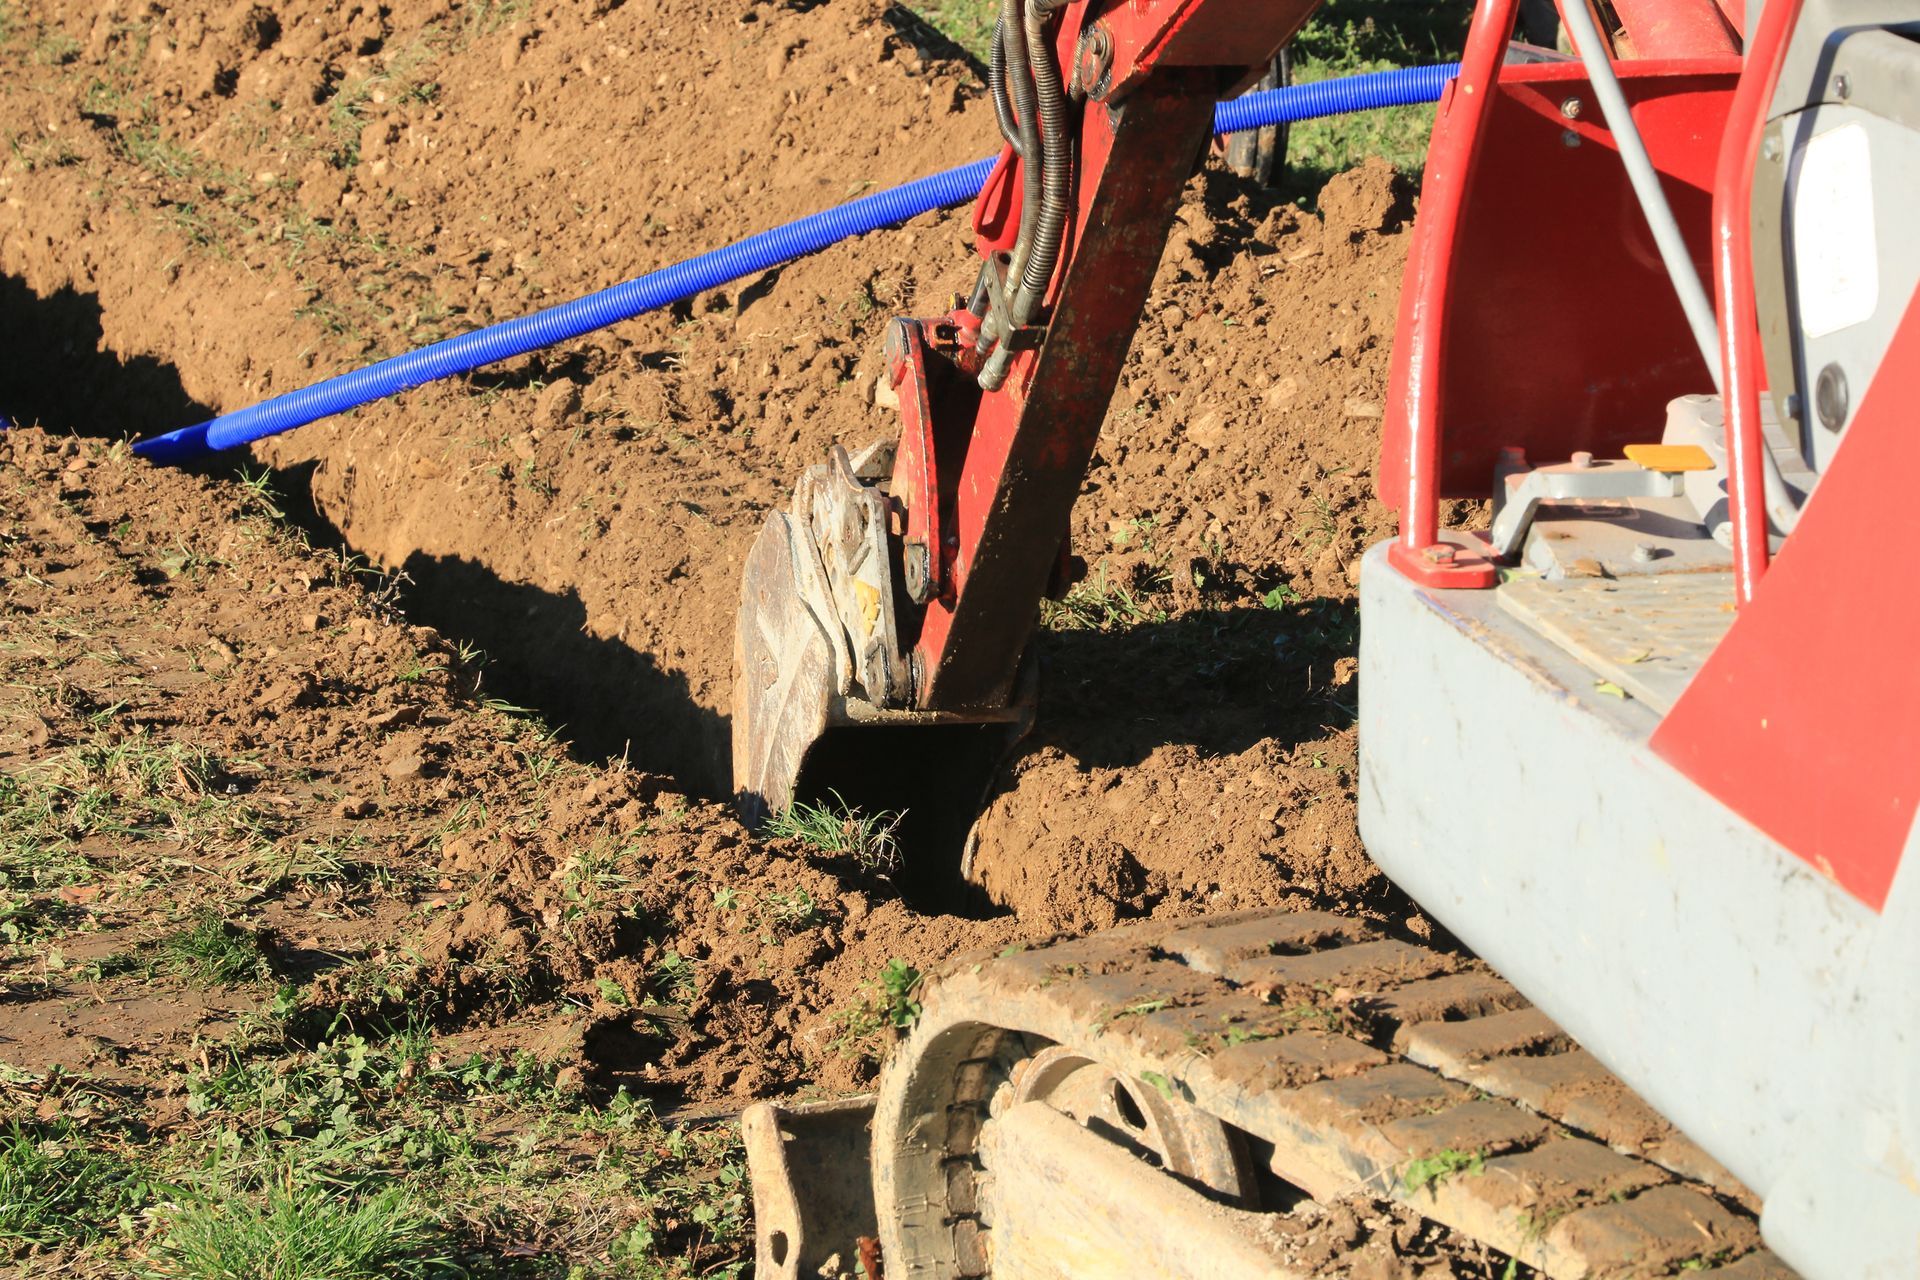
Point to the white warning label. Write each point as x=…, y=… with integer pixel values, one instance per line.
x=1836, y=261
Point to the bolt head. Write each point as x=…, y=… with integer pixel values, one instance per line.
x=1770, y=148
x=1842, y=87
x=1568, y=138
x=1582, y=459
x=1571, y=108
x=1439, y=553
x=1831, y=400
x=1645, y=553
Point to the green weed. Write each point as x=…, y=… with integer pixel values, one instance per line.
x=1431, y=1171
x=793, y=911
x=1097, y=604
x=676, y=976
x=839, y=829
x=259, y=494
x=889, y=1001
x=214, y=951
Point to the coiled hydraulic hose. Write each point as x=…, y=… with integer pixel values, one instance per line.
x=1036, y=254
x=755, y=254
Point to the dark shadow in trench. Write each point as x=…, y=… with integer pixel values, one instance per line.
x=56, y=373
x=607, y=699
x=604, y=699
x=1221, y=680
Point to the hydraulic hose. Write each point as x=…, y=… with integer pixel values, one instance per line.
x=1056, y=179
x=997, y=89
x=1026, y=122
x=755, y=254
x=1037, y=254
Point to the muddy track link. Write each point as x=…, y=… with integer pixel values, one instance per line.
x=1357, y=1066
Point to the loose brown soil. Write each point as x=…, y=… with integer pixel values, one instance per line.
x=207, y=205
x=329, y=778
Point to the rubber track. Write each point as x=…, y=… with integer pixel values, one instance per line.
x=1371, y=1067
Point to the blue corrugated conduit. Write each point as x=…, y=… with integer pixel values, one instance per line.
x=755, y=254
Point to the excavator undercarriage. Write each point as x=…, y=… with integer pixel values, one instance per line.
x=1162, y=1099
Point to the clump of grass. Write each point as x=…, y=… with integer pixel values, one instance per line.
x=1097, y=604
x=304, y=1230
x=57, y=1186
x=215, y=951
x=839, y=829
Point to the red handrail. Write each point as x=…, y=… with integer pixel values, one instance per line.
x=1456, y=147
x=1733, y=291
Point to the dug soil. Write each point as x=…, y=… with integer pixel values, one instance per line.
x=464, y=664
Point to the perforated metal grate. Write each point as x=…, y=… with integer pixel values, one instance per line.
x=1648, y=633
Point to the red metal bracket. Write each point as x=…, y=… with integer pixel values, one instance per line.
x=915, y=492
x=1733, y=288
x=985, y=481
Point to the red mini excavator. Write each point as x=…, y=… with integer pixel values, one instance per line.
x=1649, y=744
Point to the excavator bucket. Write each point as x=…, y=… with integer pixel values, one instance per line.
x=785, y=678
x=823, y=700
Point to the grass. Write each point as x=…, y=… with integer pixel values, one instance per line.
x=119, y=782
x=385, y=1155
x=790, y=912
x=1097, y=603
x=215, y=952
x=1431, y=1171
x=304, y=1231
x=56, y=1187
x=1351, y=37
x=1346, y=37
x=968, y=23
x=840, y=830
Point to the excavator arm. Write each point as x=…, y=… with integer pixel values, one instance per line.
x=885, y=614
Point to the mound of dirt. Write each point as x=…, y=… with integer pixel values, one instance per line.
x=1198, y=753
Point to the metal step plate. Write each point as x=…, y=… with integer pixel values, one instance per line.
x=1647, y=634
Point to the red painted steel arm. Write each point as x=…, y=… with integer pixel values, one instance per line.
x=1733, y=289
x=1675, y=28
x=990, y=476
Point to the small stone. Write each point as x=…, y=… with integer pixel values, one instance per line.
x=353, y=807
x=560, y=401
x=406, y=766
x=1281, y=392
x=309, y=622
x=404, y=714
x=1209, y=430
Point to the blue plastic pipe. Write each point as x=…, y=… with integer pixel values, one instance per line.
x=755, y=254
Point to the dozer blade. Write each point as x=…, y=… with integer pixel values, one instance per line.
x=822, y=706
